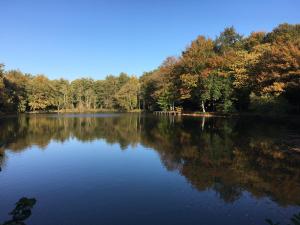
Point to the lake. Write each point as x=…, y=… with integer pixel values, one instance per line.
x=141, y=169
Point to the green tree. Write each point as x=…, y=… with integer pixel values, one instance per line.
x=83, y=94
x=148, y=88
x=229, y=39
x=62, y=98
x=127, y=98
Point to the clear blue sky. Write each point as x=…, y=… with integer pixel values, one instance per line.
x=72, y=38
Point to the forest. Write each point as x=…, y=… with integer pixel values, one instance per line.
x=230, y=73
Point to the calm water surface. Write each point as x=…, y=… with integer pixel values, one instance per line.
x=134, y=169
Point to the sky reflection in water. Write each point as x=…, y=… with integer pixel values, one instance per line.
x=142, y=169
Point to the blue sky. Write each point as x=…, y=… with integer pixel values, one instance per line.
x=75, y=38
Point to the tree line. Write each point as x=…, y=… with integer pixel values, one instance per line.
x=257, y=73
x=23, y=92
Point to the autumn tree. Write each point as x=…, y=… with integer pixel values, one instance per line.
x=83, y=94
x=277, y=72
x=197, y=64
x=127, y=98
x=16, y=83
x=283, y=33
x=2, y=88
x=149, y=85
x=62, y=98
x=41, y=93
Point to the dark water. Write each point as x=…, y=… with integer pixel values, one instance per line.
x=134, y=169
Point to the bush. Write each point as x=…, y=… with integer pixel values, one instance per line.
x=269, y=104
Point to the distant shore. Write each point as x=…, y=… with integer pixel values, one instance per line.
x=186, y=113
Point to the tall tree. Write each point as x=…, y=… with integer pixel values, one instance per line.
x=40, y=93
x=149, y=86
x=229, y=39
x=62, y=98
x=3, y=95
x=277, y=72
x=16, y=83
x=283, y=33
x=127, y=98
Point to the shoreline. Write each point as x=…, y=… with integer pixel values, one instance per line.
x=187, y=114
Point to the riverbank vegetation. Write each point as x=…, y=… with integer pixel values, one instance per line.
x=231, y=73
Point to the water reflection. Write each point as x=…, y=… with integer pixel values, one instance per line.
x=295, y=220
x=21, y=212
x=228, y=156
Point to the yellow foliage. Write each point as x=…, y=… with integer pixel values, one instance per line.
x=276, y=88
x=189, y=82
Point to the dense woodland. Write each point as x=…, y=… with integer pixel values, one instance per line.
x=231, y=73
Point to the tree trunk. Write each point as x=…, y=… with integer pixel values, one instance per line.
x=203, y=107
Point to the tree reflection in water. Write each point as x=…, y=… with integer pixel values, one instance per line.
x=21, y=212
x=228, y=156
x=295, y=220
